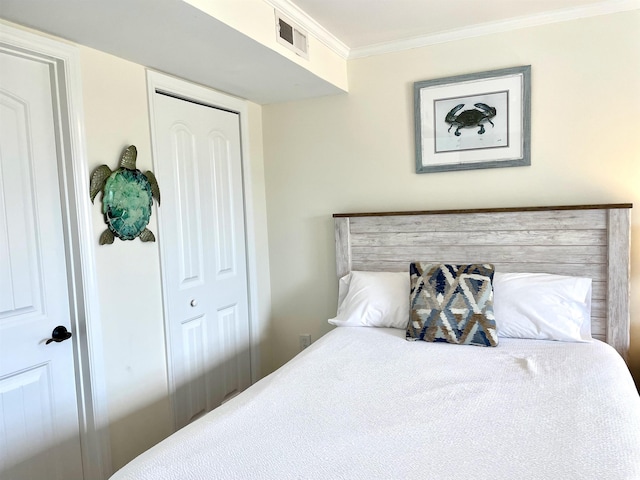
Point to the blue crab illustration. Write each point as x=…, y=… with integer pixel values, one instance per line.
x=476, y=117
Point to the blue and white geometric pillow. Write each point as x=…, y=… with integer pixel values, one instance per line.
x=452, y=303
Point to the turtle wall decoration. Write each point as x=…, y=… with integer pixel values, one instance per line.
x=127, y=196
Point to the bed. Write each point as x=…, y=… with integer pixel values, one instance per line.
x=365, y=403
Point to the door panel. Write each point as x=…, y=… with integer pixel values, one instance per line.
x=184, y=173
x=220, y=159
x=231, y=333
x=203, y=253
x=28, y=396
x=39, y=435
x=19, y=277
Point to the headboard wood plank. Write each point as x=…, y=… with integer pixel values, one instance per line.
x=619, y=277
x=595, y=206
x=343, y=246
x=475, y=253
x=585, y=240
x=485, y=221
x=495, y=237
x=598, y=271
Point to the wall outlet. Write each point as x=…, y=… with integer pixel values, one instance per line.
x=305, y=341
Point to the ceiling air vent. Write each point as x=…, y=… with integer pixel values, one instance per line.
x=291, y=36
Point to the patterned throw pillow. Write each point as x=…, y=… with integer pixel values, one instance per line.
x=452, y=303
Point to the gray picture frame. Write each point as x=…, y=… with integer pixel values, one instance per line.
x=473, y=121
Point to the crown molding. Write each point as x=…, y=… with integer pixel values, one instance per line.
x=602, y=8
x=307, y=23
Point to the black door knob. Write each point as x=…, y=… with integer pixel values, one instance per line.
x=59, y=334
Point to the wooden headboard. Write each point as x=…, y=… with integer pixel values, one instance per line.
x=584, y=240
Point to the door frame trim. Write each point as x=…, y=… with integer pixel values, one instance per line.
x=84, y=303
x=157, y=81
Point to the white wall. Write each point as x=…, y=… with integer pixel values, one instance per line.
x=256, y=20
x=355, y=152
x=116, y=115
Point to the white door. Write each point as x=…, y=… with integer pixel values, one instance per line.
x=202, y=242
x=39, y=437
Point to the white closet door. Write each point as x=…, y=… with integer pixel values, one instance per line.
x=202, y=243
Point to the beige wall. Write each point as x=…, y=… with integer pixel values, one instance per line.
x=116, y=115
x=355, y=152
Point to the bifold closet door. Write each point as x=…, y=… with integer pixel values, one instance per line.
x=202, y=241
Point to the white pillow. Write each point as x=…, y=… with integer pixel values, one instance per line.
x=542, y=306
x=373, y=299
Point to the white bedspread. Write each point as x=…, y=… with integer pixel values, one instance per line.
x=363, y=403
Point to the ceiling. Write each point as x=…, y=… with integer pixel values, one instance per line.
x=176, y=38
x=366, y=23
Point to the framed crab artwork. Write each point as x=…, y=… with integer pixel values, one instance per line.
x=478, y=120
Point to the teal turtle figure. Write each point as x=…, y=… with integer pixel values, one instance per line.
x=127, y=197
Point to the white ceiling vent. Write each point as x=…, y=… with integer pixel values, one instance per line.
x=291, y=36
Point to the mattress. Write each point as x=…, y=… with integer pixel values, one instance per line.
x=363, y=403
